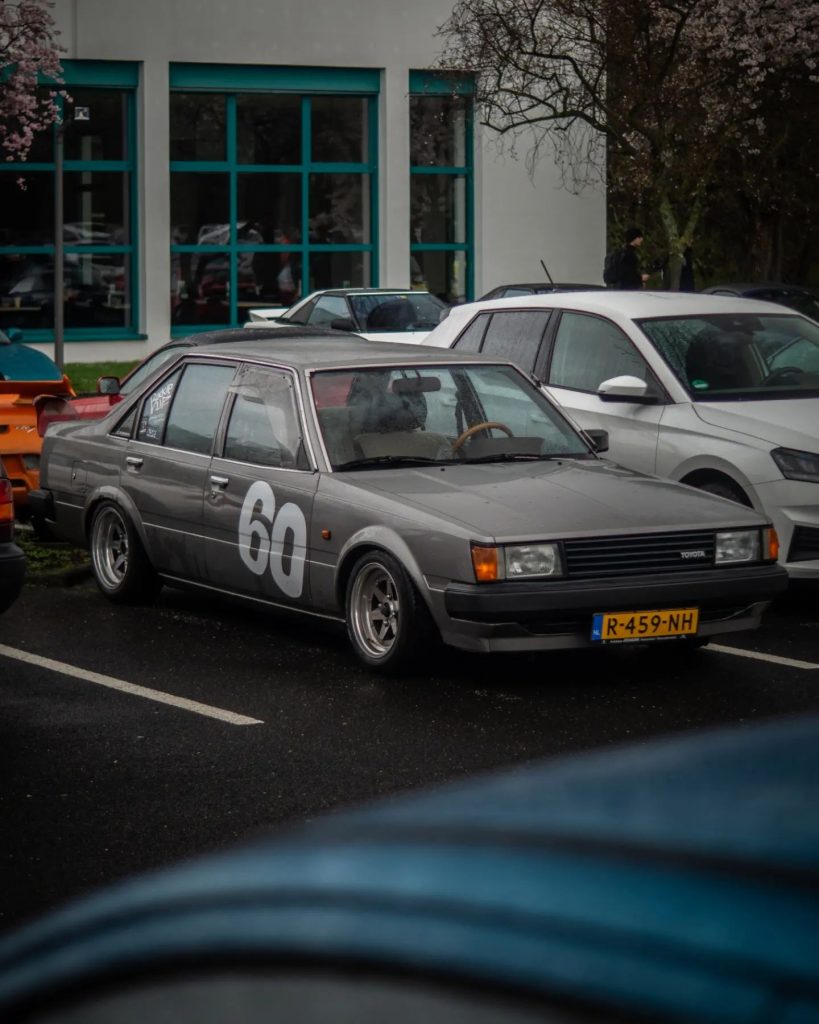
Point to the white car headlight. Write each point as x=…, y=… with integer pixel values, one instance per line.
x=524, y=560
x=738, y=546
x=795, y=465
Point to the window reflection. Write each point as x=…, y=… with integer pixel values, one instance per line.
x=102, y=136
x=442, y=273
x=272, y=202
x=438, y=131
x=96, y=208
x=199, y=208
x=339, y=129
x=339, y=270
x=27, y=212
x=97, y=289
x=438, y=205
x=269, y=129
x=337, y=208
x=197, y=126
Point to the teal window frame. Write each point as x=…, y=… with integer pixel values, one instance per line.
x=124, y=76
x=433, y=83
x=308, y=83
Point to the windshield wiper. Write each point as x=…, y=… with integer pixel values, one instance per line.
x=391, y=460
x=517, y=457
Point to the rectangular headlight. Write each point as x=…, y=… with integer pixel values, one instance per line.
x=795, y=465
x=526, y=560
x=738, y=546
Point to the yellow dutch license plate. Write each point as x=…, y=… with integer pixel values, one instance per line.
x=621, y=627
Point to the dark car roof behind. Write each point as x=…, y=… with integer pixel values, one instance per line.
x=315, y=353
x=234, y=334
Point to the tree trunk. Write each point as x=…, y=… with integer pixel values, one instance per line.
x=677, y=241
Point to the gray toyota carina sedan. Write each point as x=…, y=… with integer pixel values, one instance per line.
x=409, y=491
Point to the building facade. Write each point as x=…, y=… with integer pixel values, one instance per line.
x=223, y=156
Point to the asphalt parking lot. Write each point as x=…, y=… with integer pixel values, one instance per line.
x=132, y=738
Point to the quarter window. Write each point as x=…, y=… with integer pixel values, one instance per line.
x=589, y=350
x=154, y=411
x=470, y=340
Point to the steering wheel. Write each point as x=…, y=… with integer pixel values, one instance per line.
x=775, y=376
x=486, y=425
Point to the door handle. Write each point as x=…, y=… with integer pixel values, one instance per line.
x=133, y=460
x=219, y=482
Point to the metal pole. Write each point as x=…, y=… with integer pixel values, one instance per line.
x=59, y=254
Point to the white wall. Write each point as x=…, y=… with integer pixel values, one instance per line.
x=518, y=219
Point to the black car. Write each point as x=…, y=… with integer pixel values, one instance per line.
x=509, y=291
x=803, y=300
x=12, y=559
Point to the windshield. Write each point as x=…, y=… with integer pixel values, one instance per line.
x=407, y=311
x=417, y=414
x=739, y=355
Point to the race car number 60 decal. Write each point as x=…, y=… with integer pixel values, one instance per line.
x=259, y=521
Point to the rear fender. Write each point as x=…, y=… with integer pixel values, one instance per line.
x=108, y=492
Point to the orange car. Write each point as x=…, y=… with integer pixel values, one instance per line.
x=25, y=374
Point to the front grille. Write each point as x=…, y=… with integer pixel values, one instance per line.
x=804, y=544
x=626, y=556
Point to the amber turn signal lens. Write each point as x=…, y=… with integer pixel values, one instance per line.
x=773, y=544
x=485, y=563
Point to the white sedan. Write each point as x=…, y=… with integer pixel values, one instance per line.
x=720, y=393
x=377, y=314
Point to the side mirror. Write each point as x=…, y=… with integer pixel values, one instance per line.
x=625, y=389
x=342, y=323
x=108, y=386
x=52, y=410
x=598, y=439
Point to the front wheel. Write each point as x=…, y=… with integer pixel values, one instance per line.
x=385, y=615
x=121, y=567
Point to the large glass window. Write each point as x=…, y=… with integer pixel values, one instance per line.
x=98, y=193
x=272, y=197
x=441, y=187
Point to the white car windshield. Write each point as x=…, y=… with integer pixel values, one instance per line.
x=438, y=414
x=739, y=355
x=405, y=311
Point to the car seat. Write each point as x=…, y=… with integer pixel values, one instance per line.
x=717, y=361
x=391, y=316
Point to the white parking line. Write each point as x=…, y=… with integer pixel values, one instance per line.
x=136, y=691
x=759, y=656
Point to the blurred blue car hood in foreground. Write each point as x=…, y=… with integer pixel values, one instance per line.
x=675, y=880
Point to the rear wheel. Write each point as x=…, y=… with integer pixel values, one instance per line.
x=386, y=618
x=121, y=567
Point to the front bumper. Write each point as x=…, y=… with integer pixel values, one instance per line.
x=558, y=614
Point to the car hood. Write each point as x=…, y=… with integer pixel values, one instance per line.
x=547, y=499
x=789, y=423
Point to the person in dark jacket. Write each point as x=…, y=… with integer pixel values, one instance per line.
x=631, y=274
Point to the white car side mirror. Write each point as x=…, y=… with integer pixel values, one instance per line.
x=623, y=389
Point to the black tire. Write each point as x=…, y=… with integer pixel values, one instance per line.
x=725, y=489
x=387, y=621
x=118, y=560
